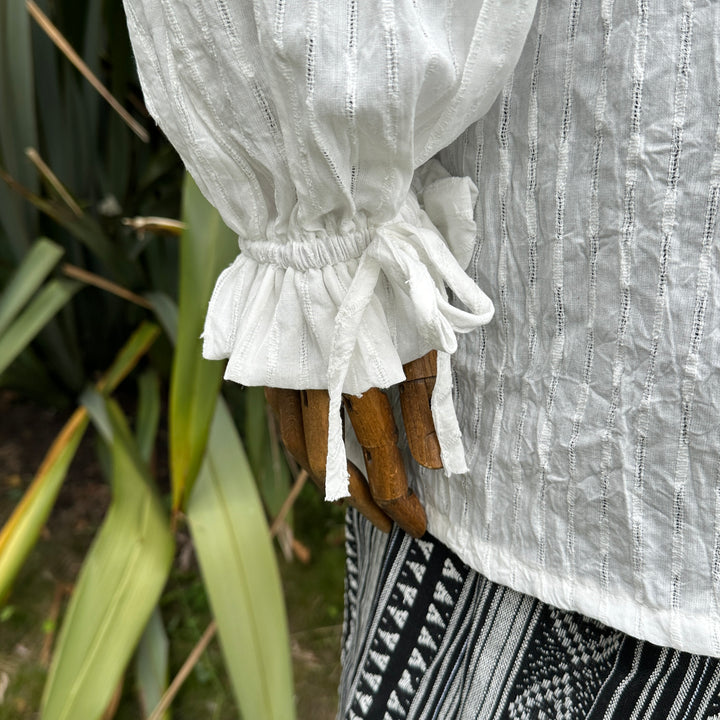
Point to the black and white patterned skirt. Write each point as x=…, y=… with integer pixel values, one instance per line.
x=426, y=637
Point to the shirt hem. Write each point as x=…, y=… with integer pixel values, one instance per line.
x=665, y=627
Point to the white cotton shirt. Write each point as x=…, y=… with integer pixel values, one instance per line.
x=589, y=405
x=304, y=123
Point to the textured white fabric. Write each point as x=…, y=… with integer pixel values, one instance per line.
x=590, y=405
x=304, y=123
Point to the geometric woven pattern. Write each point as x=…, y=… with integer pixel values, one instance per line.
x=425, y=637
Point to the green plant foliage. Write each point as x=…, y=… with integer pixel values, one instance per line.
x=264, y=452
x=98, y=162
x=119, y=585
x=151, y=664
x=23, y=284
x=54, y=341
x=18, y=330
x=18, y=128
x=129, y=356
x=238, y=565
x=37, y=314
x=27, y=279
x=166, y=311
x=206, y=247
x=20, y=533
x=148, y=413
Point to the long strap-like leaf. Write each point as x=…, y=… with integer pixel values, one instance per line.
x=35, y=267
x=119, y=585
x=233, y=545
x=206, y=247
x=21, y=531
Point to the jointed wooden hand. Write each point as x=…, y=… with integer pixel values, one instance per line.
x=302, y=416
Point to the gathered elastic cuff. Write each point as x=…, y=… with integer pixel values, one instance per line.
x=345, y=312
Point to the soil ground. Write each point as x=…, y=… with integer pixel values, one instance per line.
x=31, y=615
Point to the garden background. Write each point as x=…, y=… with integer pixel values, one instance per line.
x=152, y=532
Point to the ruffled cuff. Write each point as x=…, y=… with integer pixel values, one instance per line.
x=345, y=308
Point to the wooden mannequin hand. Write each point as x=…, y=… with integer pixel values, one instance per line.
x=302, y=416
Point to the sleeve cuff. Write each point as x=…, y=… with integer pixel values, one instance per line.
x=347, y=314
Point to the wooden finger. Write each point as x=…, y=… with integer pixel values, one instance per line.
x=315, y=406
x=315, y=409
x=415, y=394
x=372, y=419
x=361, y=499
x=287, y=408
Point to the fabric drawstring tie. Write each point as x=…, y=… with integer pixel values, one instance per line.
x=344, y=307
x=418, y=259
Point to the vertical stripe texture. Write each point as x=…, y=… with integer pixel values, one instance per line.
x=593, y=422
x=429, y=638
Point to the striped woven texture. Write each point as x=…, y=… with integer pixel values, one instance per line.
x=426, y=637
x=591, y=404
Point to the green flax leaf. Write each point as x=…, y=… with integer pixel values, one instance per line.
x=148, y=413
x=27, y=279
x=119, y=585
x=236, y=558
x=206, y=248
x=151, y=664
x=53, y=297
x=20, y=533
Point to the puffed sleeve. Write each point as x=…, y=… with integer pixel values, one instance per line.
x=309, y=125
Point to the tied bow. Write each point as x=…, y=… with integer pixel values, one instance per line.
x=416, y=261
